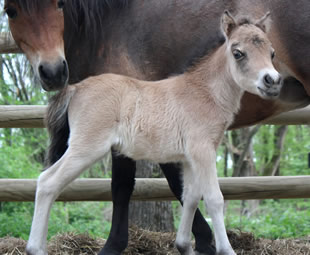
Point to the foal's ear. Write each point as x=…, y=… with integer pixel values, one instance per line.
x=264, y=23
x=228, y=23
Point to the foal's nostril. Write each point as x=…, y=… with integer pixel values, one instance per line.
x=268, y=81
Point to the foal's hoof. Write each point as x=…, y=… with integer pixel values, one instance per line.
x=30, y=251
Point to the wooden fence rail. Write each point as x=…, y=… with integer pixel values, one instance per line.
x=30, y=116
x=7, y=44
x=158, y=190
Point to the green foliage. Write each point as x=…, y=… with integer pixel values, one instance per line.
x=294, y=160
x=15, y=219
x=274, y=219
x=83, y=217
x=17, y=157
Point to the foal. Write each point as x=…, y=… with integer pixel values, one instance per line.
x=180, y=119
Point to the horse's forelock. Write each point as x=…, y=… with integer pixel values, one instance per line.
x=30, y=6
x=245, y=20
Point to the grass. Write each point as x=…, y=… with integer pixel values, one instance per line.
x=81, y=217
x=273, y=219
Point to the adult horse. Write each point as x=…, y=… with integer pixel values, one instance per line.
x=152, y=40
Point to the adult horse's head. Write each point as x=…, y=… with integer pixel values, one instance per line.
x=37, y=27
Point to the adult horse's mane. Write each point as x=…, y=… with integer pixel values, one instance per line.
x=99, y=6
x=87, y=14
x=86, y=19
x=84, y=14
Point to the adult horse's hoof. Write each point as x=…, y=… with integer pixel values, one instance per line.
x=109, y=252
x=207, y=251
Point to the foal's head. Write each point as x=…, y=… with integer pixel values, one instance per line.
x=37, y=27
x=250, y=55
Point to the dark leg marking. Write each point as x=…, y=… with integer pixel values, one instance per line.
x=123, y=181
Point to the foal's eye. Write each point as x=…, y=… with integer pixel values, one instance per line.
x=238, y=55
x=60, y=4
x=273, y=54
x=11, y=12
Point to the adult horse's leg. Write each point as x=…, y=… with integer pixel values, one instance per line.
x=123, y=181
x=200, y=228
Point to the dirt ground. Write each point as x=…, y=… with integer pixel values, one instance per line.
x=143, y=242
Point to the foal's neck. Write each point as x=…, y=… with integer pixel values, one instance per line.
x=213, y=75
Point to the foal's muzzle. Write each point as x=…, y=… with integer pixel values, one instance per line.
x=272, y=86
x=53, y=76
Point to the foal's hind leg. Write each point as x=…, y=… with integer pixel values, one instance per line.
x=123, y=180
x=201, y=229
x=51, y=182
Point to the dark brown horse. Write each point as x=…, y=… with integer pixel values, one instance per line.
x=152, y=40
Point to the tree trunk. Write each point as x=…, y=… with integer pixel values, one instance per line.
x=272, y=167
x=243, y=156
x=243, y=162
x=154, y=216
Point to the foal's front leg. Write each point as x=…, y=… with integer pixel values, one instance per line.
x=191, y=198
x=204, y=165
x=201, y=229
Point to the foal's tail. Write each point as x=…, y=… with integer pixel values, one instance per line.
x=58, y=125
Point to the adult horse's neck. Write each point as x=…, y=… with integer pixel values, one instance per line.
x=86, y=32
x=139, y=39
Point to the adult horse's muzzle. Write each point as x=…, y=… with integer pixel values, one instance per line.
x=53, y=76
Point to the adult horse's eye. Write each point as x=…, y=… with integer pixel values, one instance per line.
x=11, y=12
x=238, y=55
x=273, y=54
x=60, y=4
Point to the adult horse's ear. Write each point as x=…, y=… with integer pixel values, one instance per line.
x=264, y=23
x=228, y=23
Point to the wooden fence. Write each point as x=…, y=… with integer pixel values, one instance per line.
x=7, y=44
x=151, y=189
x=31, y=116
x=157, y=189
x=145, y=189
